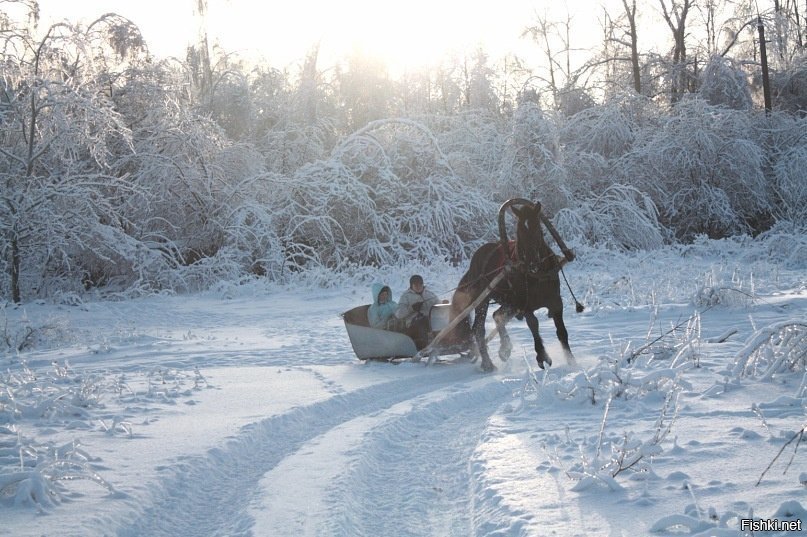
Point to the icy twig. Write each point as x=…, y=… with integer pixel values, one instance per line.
x=602, y=425
x=798, y=435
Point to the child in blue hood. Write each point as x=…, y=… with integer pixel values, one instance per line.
x=381, y=312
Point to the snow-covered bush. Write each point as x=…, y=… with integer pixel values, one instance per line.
x=32, y=473
x=58, y=135
x=780, y=348
x=704, y=169
x=608, y=129
x=473, y=142
x=289, y=145
x=571, y=101
x=713, y=295
x=46, y=470
x=785, y=242
x=606, y=455
x=650, y=375
x=205, y=213
x=627, y=378
x=603, y=207
x=790, y=86
x=713, y=289
x=724, y=83
x=386, y=195
x=790, y=182
x=620, y=217
x=19, y=333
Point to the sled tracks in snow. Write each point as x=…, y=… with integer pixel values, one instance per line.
x=389, y=459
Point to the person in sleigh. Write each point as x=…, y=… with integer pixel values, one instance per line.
x=413, y=310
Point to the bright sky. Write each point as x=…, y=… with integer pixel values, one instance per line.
x=410, y=33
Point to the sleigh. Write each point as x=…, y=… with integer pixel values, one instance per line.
x=376, y=344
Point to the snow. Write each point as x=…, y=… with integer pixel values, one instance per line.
x=244, y=411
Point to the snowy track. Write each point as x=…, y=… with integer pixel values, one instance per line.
x=332, y=466
x=437, y=436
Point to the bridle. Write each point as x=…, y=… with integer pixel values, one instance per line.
x=546, y=266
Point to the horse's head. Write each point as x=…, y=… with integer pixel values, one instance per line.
x=533, y=251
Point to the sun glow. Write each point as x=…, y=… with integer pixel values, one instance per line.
x=403, y=35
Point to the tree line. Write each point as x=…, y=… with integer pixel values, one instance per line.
x=121, y=172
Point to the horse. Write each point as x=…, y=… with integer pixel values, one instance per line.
x=530, y=281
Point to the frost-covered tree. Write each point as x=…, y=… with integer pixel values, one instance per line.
x=553, y=38
x=531, y=166
x=675, y=15
x=230, y=104
x=58, y=131
x=415, y=93
x=632, y=35
x=448, y=86
x=478, y=82
x=620, y=47
x=200, y=188
x=296, y=123
x=364, y=88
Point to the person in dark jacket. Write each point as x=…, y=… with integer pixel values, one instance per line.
x=381, y=313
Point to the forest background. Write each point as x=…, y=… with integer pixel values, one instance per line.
x=122, y=173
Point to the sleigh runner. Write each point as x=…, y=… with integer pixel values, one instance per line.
x=510, y=262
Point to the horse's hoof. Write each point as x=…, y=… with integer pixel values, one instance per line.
x=545, y=362
x=488, y=367
x=505, y=351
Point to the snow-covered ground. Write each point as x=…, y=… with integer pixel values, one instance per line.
x=244, y=412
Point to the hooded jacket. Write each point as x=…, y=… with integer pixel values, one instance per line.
x=379, y=314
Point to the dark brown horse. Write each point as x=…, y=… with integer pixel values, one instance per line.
x=530, y=281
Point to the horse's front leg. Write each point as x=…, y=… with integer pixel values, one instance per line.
x=563, y=337
x=502, y=316
x=541, y=356
x=480, y=314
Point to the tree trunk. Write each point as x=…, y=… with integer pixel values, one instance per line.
x=763, y=57
x=16, y=296
x=634, y=45
x=676, y=16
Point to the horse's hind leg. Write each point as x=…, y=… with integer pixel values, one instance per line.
x=502, y=316
x=563, y=337
x=480, y=314
x=541, y=356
